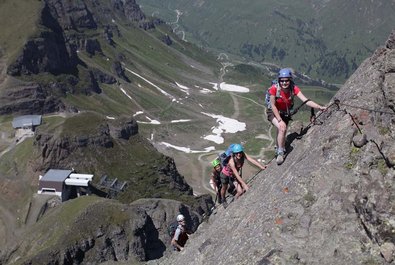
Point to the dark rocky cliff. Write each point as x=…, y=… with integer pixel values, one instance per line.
x=332, y=201
x=104, y=231
x=28, y=98
x=90, y=230
x=62, y=35
x=49, y=60
x=71, y=149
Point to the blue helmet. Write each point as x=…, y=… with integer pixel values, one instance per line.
x=237, y=148
x=286, y=73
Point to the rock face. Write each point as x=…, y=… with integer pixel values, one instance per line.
x=56, y=149
x=28, y=98
x=331, y=202
x=71, y=14
x=101, y=77
x=79, y=151
x=163, y=212
x=49, y=52
x=45, y=54
x=125, y=129
x=54, y=51
x=104, y=231
x=91, y=230
x=119, y=70
x=128, y=8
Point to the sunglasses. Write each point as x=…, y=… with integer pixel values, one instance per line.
x=284, y=81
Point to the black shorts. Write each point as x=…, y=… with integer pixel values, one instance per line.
x=270, y=116
x=224, y=179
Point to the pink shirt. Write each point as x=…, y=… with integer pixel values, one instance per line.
x=227, y=170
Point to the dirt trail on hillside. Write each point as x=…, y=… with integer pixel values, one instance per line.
x=236, y=107
x=11, y=227
x=36, y=208
x=9, y=231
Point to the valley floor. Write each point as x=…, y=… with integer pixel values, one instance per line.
x=196, y=167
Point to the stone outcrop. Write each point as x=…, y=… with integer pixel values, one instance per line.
x=90, y=45
x=104, y=78
x=119, y=70
x=167, y=40
x=163, y=212
x=331, y=202
x=105, y=231
x=55, y=149
x=65, y=29
x=124, y=129
x=54, y=51
x=78, y=150
x=27, y=99
x=109, y=31
x=129, y=8
x=47, y=53
x=71, y=15
x=169, y=170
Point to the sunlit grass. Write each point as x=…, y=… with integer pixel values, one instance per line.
x=17, y=158
x=16, y=28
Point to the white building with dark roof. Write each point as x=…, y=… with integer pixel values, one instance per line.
x=64, y=183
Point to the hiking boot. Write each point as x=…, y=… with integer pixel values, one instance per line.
x=280, y=158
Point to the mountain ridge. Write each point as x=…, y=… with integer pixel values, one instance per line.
x=331, y=202
x=69, y=69
x=323, y=39
x=122, y=68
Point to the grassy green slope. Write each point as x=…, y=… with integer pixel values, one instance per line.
x=17, y=27
x=76, y=219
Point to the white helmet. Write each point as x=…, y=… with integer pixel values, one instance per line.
x=180, y=217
